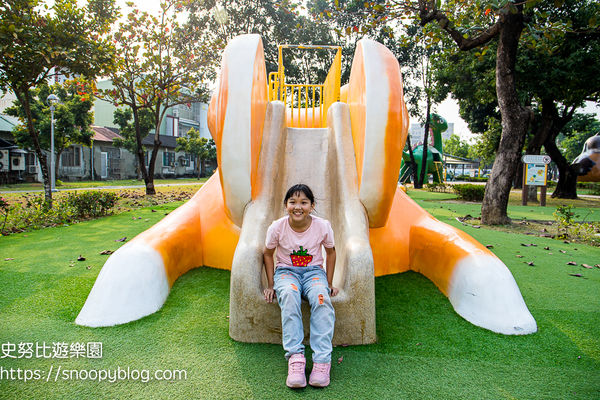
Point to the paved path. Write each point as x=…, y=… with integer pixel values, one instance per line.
x=104, y=187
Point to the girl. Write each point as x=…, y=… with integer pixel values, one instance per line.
x=298, y=238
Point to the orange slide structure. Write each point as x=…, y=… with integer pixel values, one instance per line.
x=349, y=152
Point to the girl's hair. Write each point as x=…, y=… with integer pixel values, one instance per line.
x=299, y=188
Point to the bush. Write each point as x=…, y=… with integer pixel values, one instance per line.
x=469, y=192
x=436, y=187
x=32, y=212
x=593, y=187
x=91, y=204
x=476, y=179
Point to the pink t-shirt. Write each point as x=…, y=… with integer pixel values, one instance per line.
x=299, y=249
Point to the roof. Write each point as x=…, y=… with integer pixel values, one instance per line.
x=165, y=141
x=102, y=134
x=5, y=144
x=452, y=159
x=7, y=123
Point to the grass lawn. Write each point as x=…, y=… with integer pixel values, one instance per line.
x=424, y=350
x=95, y=184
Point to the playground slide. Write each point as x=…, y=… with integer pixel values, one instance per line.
x=323, y=158
x=352, y=165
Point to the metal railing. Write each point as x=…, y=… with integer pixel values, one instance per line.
x=306, y=100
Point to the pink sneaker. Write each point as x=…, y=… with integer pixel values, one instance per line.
x=319, y=376
x=296, y=376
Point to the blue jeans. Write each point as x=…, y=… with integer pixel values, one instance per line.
x=291, y=284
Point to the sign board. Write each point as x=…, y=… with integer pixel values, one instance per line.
x=535, y=174
x=535, y=159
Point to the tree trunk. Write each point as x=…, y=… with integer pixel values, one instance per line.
x=23, y=97
x=413, y=164
x=147, y=174
x=149, y=179
x=515, y=122
x=566, y=188
x=424, y=158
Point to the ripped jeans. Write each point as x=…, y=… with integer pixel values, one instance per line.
x=291, y=284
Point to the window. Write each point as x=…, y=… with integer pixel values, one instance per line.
x=172, y=126
x=169, y=158
x=71, y=157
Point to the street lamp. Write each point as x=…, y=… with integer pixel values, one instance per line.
x=51, y=100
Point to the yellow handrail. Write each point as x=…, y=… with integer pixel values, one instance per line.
x=324, y=94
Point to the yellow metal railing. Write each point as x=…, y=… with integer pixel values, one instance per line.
x=306, y=100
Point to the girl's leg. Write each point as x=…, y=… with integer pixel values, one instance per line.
x=322, y=314
x=287, y=287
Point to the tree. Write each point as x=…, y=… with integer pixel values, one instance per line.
x=204, y=149
x=73, y=116
x=455, y=146
x=473, y=26
x=575, y=133
x=541, y=63
x=123, y=117
x=160, y=64
x=278, y=22
x=34, y=39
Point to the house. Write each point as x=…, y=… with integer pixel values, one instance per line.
x=109, y=162
x=177, y=122
x=16, y=165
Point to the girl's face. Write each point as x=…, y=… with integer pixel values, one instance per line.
x=298, y=207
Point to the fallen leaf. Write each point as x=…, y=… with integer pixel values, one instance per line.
x=8, y=259
x=89, y=267
x=546, y=248
x=152, y=210
x=530, y=263
x=562, y=251
x=597, y=265
x=587, y=266
x=123, y=239
x=340, y=359
x=106, y=252
x=489, y=246
x=571, y=263
x=577, y=275
x=520, y=256
x=566, y=241
x=81, y=258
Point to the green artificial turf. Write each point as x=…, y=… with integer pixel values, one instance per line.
x=424, y=350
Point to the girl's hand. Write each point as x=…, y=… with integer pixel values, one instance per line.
x=334, y=291
x=269, y=294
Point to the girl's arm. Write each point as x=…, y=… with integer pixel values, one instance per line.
x=269, y=269
x=330, y=269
